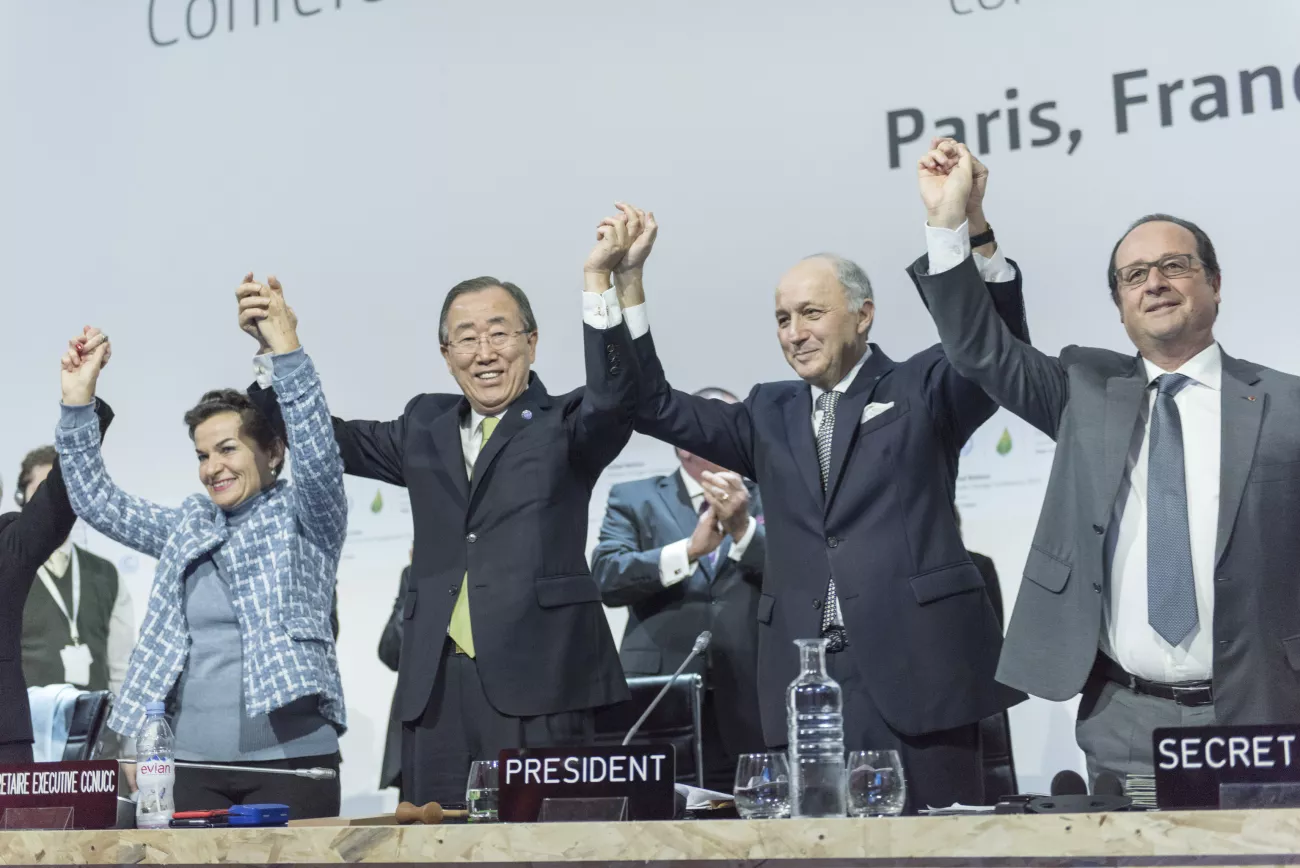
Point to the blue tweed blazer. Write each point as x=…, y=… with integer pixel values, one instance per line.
x=281, y=562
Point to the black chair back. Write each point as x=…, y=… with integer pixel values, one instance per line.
x=675, y=720
x=999, y=764
x=88, y=718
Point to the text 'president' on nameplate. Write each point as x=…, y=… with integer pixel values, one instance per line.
x=644, y=774
x=88, y=788
x=1193, y=762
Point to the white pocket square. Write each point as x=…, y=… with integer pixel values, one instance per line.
x=871, y=411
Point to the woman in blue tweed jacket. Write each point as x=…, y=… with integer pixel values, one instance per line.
x=236, y=638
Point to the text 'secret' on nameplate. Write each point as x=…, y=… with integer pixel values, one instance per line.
x=643, y=774
x=1228, y=766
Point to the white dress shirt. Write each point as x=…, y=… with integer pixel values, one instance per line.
x=674, y=563
x=471, y=436
x=1127, y=637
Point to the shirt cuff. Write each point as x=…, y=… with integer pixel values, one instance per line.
x=601, y=311
x=947, y=248
x=674, y=566
x=638, y=320
x=264, y=369
x=995, y=269
x=284, y=364
x=738, y=548
x=76, y=415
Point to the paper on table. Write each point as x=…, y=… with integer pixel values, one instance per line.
x=697, y=798
x=956, y=808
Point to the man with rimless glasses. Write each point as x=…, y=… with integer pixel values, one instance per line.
x=504, y=641
x=1161, y=583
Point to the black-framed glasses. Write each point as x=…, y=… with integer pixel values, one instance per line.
x=1171, y=266
x=498, y=340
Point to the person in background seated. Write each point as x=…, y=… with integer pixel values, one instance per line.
x=27, y=540
x=684, y=553
x=78, y=626
x=236, y=635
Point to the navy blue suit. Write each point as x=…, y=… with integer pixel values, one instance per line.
x=923, y=638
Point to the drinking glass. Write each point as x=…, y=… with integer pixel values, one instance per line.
x=877, y=787
x=481, y=790
x=762, y=786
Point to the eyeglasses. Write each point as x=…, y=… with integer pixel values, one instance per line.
x=1171, y=266
x=497, y=340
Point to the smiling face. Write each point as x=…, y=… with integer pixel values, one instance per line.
x=232, y=466
x=1162, y=315
x=821, y=336
x=488, y=351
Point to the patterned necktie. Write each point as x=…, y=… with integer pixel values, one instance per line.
x=834, y=633
x=1171, y=589
x=459, y=629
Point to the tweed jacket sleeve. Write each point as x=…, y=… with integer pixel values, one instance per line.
x=320, y=502
x=132, y=521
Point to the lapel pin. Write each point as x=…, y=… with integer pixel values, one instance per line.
x=1250, y=397
x=528, y=414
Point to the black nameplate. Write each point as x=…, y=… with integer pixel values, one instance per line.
x=645, y=774
x=1192, y=761
x=89, y=788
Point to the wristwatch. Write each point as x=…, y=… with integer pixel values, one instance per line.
x=985, y=237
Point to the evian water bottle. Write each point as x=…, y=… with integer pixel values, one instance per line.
x=155, y=769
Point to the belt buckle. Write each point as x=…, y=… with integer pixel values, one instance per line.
x=1191, y=697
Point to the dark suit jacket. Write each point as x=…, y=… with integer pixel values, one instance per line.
x=1089, y=400
x=519, y=528
x=920, y=625
x=640, y=519
x=992, y=583
x=27, y=539
x=390, y=654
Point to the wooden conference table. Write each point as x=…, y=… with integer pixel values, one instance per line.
x=1191, y=838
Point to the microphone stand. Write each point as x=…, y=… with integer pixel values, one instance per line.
x=315, y=774
x=701, y=642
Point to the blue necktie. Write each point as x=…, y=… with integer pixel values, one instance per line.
x=1171, y=590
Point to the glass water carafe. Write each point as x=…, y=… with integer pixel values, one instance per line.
x=815, y=717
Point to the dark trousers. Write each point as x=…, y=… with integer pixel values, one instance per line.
x=16, y=752
x=719, y=762
x=459, y=726
x=940, y=767
x=208, y=789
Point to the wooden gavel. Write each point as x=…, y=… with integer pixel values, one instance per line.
x=431, y=814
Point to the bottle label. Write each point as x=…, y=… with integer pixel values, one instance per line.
x=155, y=766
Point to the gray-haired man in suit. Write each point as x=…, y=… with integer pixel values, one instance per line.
x=684, y=552
x=1161, y=582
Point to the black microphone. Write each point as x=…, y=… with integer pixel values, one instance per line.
x=1108, y=784
x=1068, y=783
x=1070, y=796
x=701, y=642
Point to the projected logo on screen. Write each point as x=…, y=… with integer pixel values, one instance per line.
x=173, y=21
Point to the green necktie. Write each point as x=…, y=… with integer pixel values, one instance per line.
x=459, y=629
